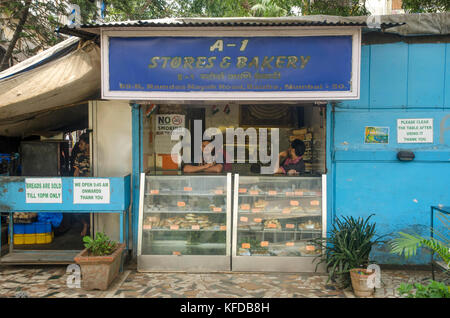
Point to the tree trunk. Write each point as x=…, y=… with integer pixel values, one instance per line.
x=4, y=63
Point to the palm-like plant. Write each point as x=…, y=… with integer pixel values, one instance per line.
x=267, y=8
x=407, y=244
x=348, y=246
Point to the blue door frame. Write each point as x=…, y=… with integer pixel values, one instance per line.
x=137, y=164
x=137, y=134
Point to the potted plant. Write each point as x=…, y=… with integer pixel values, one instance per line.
x=347, y=250
x=100, y=261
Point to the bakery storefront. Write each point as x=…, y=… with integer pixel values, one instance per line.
x=251, y=91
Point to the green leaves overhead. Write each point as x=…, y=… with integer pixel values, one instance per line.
x=426, y=6
x=46, y=16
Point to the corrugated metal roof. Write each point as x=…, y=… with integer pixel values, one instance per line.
x=316, y=21
x=226, y=22
x=402, y=24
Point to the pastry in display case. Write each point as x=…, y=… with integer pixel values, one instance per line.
x=278, y=216
x=185, y=215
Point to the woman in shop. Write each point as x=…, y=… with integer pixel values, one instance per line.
x=292, y=159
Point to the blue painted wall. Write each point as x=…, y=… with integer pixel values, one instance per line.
x=398, y=80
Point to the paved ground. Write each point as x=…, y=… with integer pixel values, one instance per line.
x=51, y=281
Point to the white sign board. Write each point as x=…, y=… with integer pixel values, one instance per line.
x=91, y=191
x=415, y=130
x=43, y=190
x=165, y=124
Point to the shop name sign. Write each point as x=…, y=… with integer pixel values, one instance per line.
x=289, y=66
x=415, y=130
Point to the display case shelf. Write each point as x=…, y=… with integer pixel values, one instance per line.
x=281, y=196
x=183, y=230
x=184, y=212
x=290, y=215
x=282, y=231
x=187, y=194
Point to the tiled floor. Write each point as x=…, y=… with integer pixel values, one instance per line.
x=51, y=281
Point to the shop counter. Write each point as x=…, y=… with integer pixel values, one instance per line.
x=61, y=195
x=212, y=223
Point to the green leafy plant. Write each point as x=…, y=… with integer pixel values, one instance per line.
x=347, y=246
x=432, y=290
x=407, y=245
x=101, y=245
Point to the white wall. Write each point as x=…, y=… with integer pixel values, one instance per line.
x=111, y=151
x=379, y=7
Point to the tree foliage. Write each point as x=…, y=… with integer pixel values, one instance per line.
x=426, y=6
x=336, y=7
x=32, y=23
x=119, y=10
x=35, y=32
x=268, y=8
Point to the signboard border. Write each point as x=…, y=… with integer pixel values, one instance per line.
x=214, y=32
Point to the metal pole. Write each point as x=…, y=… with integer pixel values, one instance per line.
x=11, y=236
x=432, y=253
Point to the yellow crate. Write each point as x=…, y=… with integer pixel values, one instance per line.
x=18, y=239
x=43, y=238
x=30, y=238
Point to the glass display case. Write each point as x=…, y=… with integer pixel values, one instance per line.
x=185, y=223
x=275, y=220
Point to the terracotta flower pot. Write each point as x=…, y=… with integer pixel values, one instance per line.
x=98, y=272
x=360, y=278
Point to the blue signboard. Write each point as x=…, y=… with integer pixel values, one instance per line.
x=230, y=64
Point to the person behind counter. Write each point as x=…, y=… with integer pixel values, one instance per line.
x=81, y=162
x=292, y=159
x=207, y=167
x=82, y=168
